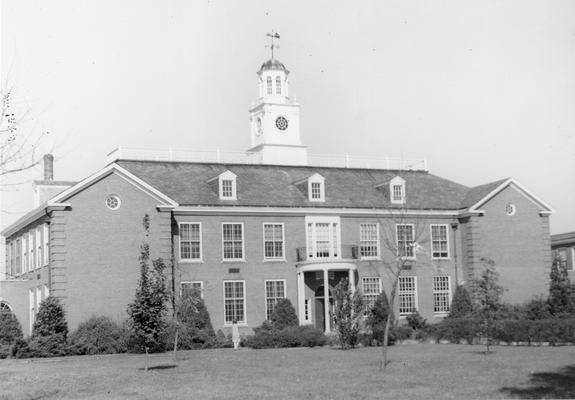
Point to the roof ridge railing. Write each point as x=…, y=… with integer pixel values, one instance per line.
x=238, y=157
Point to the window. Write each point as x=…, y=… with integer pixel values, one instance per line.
x=407, y=295
x=25, y=242
x=316, y=188
x=191, y=241
x=18, y=261
x=233, y=241
x=113, y=202
x=371, y=289
x=46, y=238
x=369, y=240
x=227, y=188
x=439, y=241
x=397, y=189
x=405, y=241
x=227, y=184
x=273, y=241
x=323, y=237
x=32, y=249
x=278, y=85
x=441, y=294
x=307, y=310
x=572, y=258
x=275, y=290
x=39, y=247
x=234, y=302
x=269, y=84
x=192, y=288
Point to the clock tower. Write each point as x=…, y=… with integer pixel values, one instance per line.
x=275, y=134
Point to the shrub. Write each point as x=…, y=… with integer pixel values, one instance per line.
x=98, y=335
x=347, y=314
x=376, y=319
x=560, y=290
x=284, y=315
x=401, y=332
x=222, y=340
x=266, y=336
x=458, y=329
x=461, y=305
x=10, y=329
x=50, y=319
x=537, y=309
x=416, y=321
x=195, y=329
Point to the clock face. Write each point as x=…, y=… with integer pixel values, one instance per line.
x=281, y=123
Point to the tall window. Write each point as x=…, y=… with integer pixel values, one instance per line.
x=275, y=290
x=439, y=241
x=191, y=241
x=269, y=85
x=18, y=261
x=405, y=240
x=371, y=288
x=323, y=237
x=233, y=241
x=46, y=238
x=407, y=295
x=39, y=247
x=369, y=240
x=192, y=288
x=441, y=294
x=25, y=241
x=31, y=249
x=397, y=189
x=227, y=188
x=397, y=193
x=234, y=302
x=278, y=85
x=316, y=188
x=273, y=241
x=227, y=185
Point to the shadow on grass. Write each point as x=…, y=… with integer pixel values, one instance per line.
x=165, y=366
x=550, y=385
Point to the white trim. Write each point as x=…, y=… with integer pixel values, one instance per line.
x=243, y=258
x=378, y=250
x=271, y=259
x=449, y=294
x=447, y=239
x=266, y=293
x=416, y=300
x=191, y=283
x=190, y=260
x=331, y=220
x=316, y=178
x=227, y=176
x=397, y=181
x=245, y=321
x=522, y=189
x=414, y=256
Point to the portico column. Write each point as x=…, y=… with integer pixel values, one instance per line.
x=326, y=301
x=352, y=280
x=301, y=297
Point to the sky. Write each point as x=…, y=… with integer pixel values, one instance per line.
x=484, y=90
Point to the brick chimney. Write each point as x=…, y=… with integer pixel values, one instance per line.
x=48, y=167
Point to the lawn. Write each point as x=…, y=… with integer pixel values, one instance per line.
x=419, y=371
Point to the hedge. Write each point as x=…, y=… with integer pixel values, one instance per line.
x=266, y=336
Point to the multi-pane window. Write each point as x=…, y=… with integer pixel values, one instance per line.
x=32, y=249
x=269, y=85
x=369, y=240
x=233, y=241
x=371, y=288
x=275, y=290
x=25, y=241
x=39, y=247
x=234, y=302
x=439, y=241
x=278, y=85
x=323, y=237
x=190, y=241
x=193, y=288
x=18, y=257
x=46, y=237
x=397, y=192
x=316, y=190
x=407, y=295
x=227, y=188
x=405, y=240
x=273, y=241
x=441, y=294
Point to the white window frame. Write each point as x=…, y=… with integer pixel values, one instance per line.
x=228, y=176
x=32, y=249
x=268, y=311
x=46, y=238
x=25, y=245
x=269, y=87
x=377, y=250
x=19, y=257
x=334, y=237
x=572, y=259
x=433, y=242
x=283, y=256
x=243, y=258
x=39, y=247
x=412, y=246
x=413, y=292
x=397, y=181
x=316, y=179
x=278, y=82
x=366, y=294
x=190, y=260
x=192, y=283
x=442, y=292
x=245, y=319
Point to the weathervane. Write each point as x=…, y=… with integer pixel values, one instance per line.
x=272, y=46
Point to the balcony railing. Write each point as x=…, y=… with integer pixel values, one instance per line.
x=347, y=252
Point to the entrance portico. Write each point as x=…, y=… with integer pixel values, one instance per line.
x=314, y=283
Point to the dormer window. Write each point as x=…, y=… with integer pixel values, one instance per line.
x=278, y=85
x=269, y=84
x=316, y=188
x=227, y=185
x=397, y=190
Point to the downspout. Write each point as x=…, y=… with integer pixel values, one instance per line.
x=454, y=226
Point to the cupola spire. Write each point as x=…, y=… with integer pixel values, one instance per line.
x=272, y=46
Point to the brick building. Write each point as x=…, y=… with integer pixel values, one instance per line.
x=274, y=223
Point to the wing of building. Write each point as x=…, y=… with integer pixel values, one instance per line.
x=277, y=223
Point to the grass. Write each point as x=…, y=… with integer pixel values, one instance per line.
x=423, y=371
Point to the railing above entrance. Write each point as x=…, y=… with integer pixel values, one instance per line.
x=347, y=252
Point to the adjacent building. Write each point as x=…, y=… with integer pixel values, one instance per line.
x=273, y=223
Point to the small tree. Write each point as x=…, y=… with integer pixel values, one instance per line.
x=193, y=325
x=377, y=317
x=10, y=328
x=348, y=312
x=487, y=296
x=462, y=304
x=50, y=319
x=283, y=315
x=148, y=310
x=560, y=291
